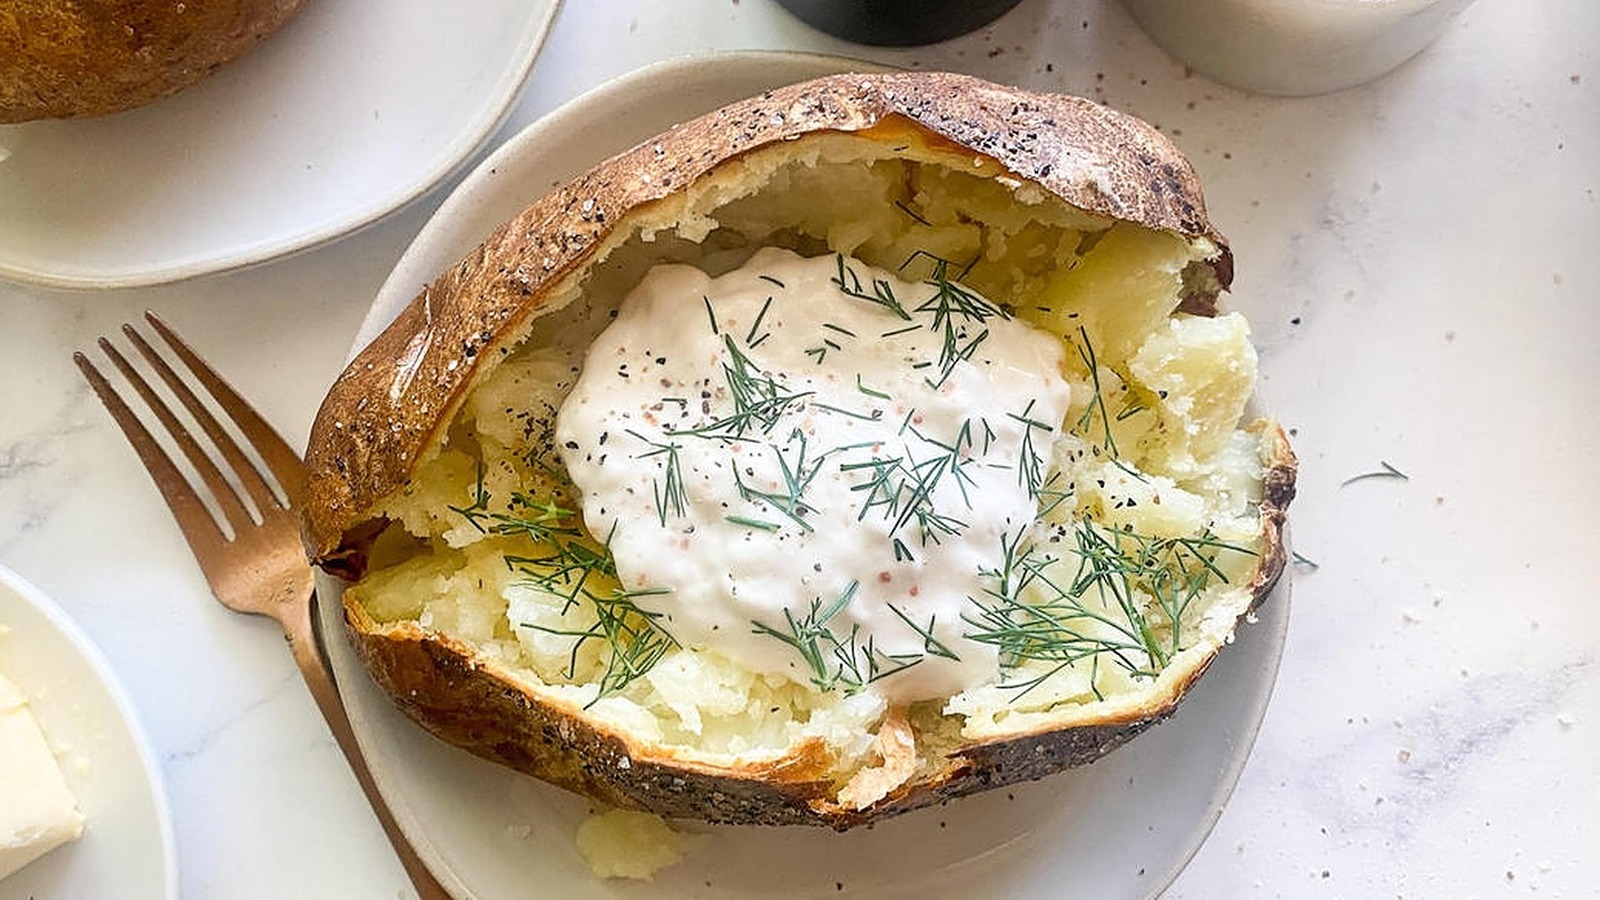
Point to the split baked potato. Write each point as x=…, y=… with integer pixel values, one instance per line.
x=71, y=58
x=501, y=586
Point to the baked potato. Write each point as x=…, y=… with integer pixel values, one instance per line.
x=72, y=58
x=871, y=442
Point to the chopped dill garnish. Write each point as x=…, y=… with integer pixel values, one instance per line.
x=954, y=310
x=634, y=635
x=849, y=284
x=902, y=489
x=670, y=494
x=1114, y=592
x=873, y=416
x=760, y=524
x=832, y=661
x=1387, y=471
x=1098, y=403
x=1030, y=465
x=711, y=314
x=869, y=391
x=478, y=509
x=564, y=561
x=540, y=520
x=797, y=476
x=759, y=400
x=930, y=644
x=755, y=326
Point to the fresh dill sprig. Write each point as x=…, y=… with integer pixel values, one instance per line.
x=1115, y=594
x=1387, y=471
x=931, y=645
x=540, y=520
x=903, y=489
x=849, y=284
x=478, y=510
x=1304, y=562
x=1030, y=465
x=564, y=562
x=820, y=352
x=797, y=476
x=565, y=570
x=759, y=400
x=955, y=310
x=712, y=315
x=634, y=636
x=670, y=494
x=1098, y=402
x=869, y=391
x=873, y=416
x=1052, y=495
x=831, y=661
x=755, y=327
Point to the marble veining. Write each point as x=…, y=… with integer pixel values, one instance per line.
x=1419, y=259
x=1415, y=762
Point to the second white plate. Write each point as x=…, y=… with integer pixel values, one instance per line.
x=126, y=849
x=1123, y=827
x=351, y=110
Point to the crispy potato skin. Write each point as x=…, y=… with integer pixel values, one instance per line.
x=437, y=684
x=73, y=58
x=397, y=398
x=399, y=394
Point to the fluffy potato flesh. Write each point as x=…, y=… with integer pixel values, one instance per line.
x=1150, y=518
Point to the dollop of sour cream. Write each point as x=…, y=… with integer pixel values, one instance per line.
x=809, y=465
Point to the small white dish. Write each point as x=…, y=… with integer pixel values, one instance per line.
x=351, y=110
x=1293, y=48
x=127, y=848
x=1123, y=827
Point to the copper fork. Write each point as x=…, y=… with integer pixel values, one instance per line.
x=252, y=557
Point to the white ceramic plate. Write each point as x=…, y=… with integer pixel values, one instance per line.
x=126, y=850
x=1123, y=827
x=351, y=110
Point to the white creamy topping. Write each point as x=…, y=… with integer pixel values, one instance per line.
x=813, y=462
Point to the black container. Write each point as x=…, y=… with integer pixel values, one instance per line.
x=897, y=23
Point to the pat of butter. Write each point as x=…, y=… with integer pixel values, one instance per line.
x=37, y=811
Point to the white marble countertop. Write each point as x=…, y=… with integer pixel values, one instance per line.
x=1421, y=260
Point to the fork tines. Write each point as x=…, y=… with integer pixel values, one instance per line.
x=241, y=490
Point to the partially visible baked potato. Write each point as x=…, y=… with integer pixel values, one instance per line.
x=71, y=58
x=452, y=489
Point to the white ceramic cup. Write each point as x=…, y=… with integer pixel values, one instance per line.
x=1293, y=47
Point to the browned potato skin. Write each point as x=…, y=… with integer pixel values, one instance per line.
x=436, y=682
x=367, y=438
x=73, y=58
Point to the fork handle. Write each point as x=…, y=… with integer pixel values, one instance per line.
x=298, y=629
